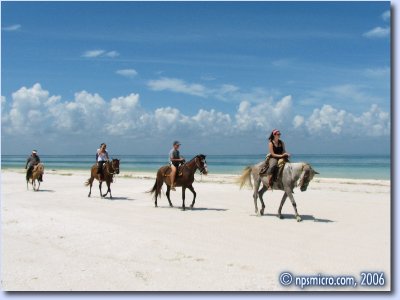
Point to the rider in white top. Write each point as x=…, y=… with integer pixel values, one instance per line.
x=101, y=157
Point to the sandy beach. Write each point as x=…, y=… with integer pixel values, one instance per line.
x=58, y=239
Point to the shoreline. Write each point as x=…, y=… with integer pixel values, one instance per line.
x=213, y=177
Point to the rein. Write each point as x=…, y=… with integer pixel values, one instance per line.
x=197, y=165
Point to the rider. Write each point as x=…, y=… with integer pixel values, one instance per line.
x=31, y=162
x=277, y=150
x=175, y=160
x=101, y=158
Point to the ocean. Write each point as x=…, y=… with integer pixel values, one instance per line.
x=329, y=166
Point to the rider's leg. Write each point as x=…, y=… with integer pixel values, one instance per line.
x=273, y=162
x=100, y=169
x=172, y=177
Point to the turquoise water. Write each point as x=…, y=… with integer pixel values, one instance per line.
x=330, y=166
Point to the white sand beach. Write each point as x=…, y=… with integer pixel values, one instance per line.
x=58, y=239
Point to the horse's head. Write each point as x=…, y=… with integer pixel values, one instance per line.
x=115, y=165
x=201, y=164
x=306, y=176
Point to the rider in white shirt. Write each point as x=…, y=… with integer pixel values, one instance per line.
x=101, y=157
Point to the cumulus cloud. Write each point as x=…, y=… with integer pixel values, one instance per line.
x=14, y=27
x=263, y=115
x=127, y=72
x=33, y=110
x=330, y=120
x=378, y=32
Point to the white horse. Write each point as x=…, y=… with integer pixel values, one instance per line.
x=291, y=175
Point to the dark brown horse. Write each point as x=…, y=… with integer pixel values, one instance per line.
x=110, y=168
x=37, y=171
x=185, y=180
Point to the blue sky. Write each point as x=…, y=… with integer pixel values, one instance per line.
x=219, y=76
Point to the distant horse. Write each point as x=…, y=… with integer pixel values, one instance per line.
x=37, y=171
x=185, y=180
x=292, y=172
x=110, y=168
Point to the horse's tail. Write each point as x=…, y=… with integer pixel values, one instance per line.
x=245, y=178
x=156, y=189
x=87, y=182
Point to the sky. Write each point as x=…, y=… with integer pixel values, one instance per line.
x=217, y=76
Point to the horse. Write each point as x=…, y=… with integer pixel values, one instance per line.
x=291, y=174
x=37, y=171
x=110, y=168
x=185, y=180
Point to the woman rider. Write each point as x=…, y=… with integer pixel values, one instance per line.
x=277, y=151
x=101, y=157
x=175, y=160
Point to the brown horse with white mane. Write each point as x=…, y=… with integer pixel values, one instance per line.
x=185, y=180
x=110, y=168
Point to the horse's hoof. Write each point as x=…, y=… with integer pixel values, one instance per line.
x=262, y=211
x=191, y=206
x=298, y=218
x=183, y=208
x=280, y=216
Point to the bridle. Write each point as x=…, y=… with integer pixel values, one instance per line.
x=108, y=165
x=305, y=180
x=201, y=169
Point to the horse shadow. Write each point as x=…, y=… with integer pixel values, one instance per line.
x=303, y=217
x=46, y=191
x=195, y=208
x=120, y=198
x=208, y=209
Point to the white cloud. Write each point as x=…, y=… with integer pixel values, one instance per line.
x=378, y=32
x=298, y=121
x=263, y=115
x=93, y=53
x=329, y=120
x=14, y=27
x=127, y=72
x=386, y=15
x=34, y=111
x=377, y=72
x=100, y=53
x=178, y=86
x=112, y=54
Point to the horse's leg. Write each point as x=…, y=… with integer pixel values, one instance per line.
x=100, y=183
x=255, y=195
x=194, y=195
x=260, y=195
x=108, y=189
x=90, y=184
x=289, y=193
x=183, y=197
x=168, y=193
x=281, y=205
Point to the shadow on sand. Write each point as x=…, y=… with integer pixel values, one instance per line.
x=303, y=217
x=46, y=191
x=195, y=208
x=119, y=198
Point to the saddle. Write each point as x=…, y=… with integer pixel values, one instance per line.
x=178, y=171
x=277, y=174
